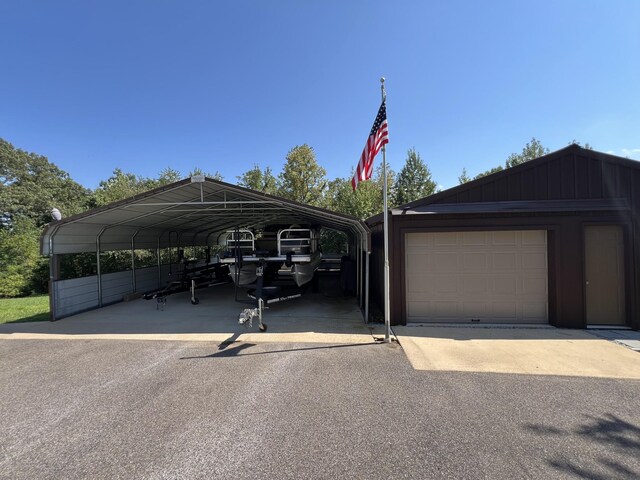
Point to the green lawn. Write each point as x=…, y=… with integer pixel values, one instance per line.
x=28, y=309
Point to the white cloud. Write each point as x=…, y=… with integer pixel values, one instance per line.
x=630, y=152
x=626, y=152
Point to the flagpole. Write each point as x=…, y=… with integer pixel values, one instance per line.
x=387, y=306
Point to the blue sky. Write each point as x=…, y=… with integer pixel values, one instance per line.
x=142, y=85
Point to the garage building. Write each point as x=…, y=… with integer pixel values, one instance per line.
x=552, y=241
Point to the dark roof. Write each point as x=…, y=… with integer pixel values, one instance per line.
x=445, y=195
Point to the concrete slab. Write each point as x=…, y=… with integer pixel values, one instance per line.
x=315, y=318
x=628, y=338
x=535, y=351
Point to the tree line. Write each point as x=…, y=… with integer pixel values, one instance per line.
x=30, y=186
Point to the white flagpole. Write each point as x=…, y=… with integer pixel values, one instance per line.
x=387, y=306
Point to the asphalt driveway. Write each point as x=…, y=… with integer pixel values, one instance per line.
x=144, y=409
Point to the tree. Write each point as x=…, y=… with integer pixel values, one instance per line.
x=531, y=151
x=586, y=145
x=464, y=178
x=302, y=179
x=119, y=186
x=167, y=176
x=414, y=180
x=366, y=201
x=20, y=259
x=489, y=172
x=30, y=186
x=198, y=171
x=256, y=179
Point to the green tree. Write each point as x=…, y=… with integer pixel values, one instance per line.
x=256, y=179
x=586, y=145
x=30, y=186
x=20, y=259
x=499, y=168
x=464, y=177
x=119, y=186
x=366, y=201
x=531, y=151
x=302, y=179
x=167, y=176
x=198, y=171
x=414, y=180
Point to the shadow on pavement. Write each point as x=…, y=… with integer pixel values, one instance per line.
x=236, y=350
x=617, y=439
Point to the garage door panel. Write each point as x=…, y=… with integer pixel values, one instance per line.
x=419, y=285
x=534, y=286
x=474, y=285
x=532, y=312
x=474, y=309
x=534, y=237
x=476, y=261
x=444, y=261
x=504, y=238
x=469, y=276
x=504, y=285
x=444, y=239
x=534, y=261
x=419, y=265
x=504, y=260
x=474, y=238
x=417, y=240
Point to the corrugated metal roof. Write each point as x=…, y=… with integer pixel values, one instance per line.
x=185, y=213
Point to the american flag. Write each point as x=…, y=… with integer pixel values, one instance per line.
x=378, y=137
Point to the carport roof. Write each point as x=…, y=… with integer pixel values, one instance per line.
x=192, y=211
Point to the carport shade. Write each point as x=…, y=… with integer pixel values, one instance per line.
x=191, y=212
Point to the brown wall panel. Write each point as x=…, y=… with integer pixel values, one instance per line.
x=611, y=187
x=514, y=187
x=554, y=181
x=541, y=174
x=582, y=178
x=595, y=178
x=573, y=173
x=567, y=178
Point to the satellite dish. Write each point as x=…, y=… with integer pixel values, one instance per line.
x=55, y=214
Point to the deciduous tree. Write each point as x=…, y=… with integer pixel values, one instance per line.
x=256, y=179
x=414, y=180
x=302, y=179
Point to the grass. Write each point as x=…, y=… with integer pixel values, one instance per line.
x=28, y=309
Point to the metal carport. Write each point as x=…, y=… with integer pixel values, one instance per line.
x=190, y=212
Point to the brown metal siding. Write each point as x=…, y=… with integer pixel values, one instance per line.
x=570, y=174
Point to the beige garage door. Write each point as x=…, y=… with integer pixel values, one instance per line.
x=485, y=277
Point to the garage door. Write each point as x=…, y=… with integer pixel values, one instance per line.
x=486, y=277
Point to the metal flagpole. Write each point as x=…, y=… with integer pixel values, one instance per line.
x=387, y=306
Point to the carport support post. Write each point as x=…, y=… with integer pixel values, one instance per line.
x=133, y=261
x=159, y=266
x=98, y=267
x=54, y=274
x=358, y=276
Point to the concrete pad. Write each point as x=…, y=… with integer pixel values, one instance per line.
x=314, y=318
x=535, y=351
x=628, y=338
